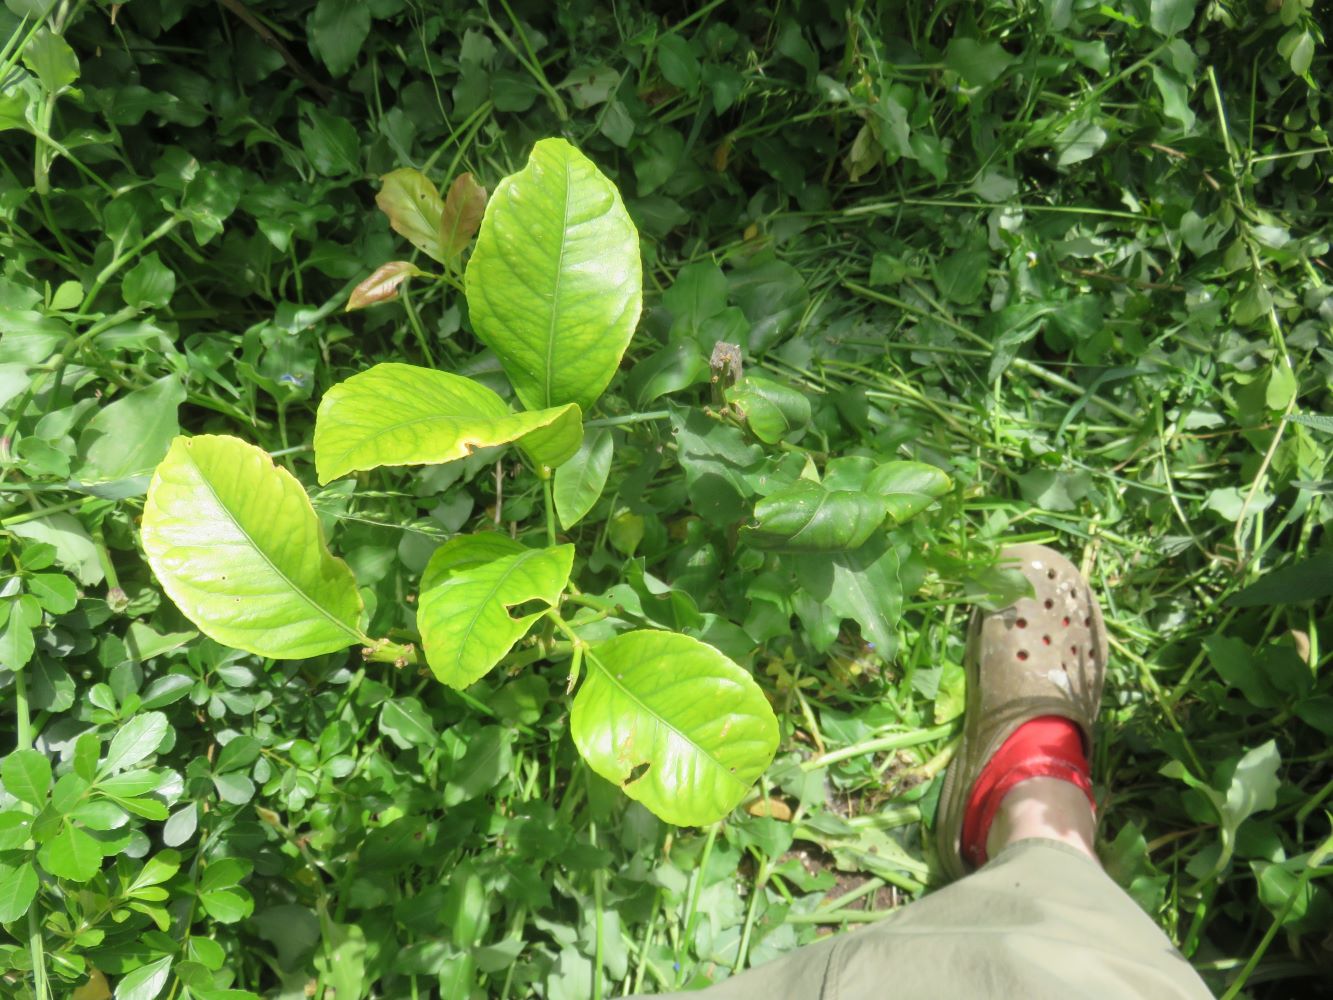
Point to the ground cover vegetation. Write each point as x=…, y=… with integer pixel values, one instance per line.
x=911, y=279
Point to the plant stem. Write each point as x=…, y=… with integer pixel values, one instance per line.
x=41, y=987
x=1311, y=868
x=550, y=509
x=898, y=741
x=628, y=418
x=692, y=911
x=597, y=879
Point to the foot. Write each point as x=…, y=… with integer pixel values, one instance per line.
x=1042, y=657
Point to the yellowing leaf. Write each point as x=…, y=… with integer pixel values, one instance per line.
x=675, y=723
x=96, y=988
x=396, y=414
x=235, y=543
x=465, y=624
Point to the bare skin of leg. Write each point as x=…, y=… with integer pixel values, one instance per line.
x=1043, y=807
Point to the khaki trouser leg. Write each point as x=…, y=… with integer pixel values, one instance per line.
x=1039, y=921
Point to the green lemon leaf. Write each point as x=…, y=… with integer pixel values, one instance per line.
x=27, y=776
x=235, y=543
x=71, y=854
x=805, y=517
x=907, y=488
x=675, y=723
x=415, y=209
x=396, y=414
x=775, y=412
x=464, y=620
x=580, y=481
x=555, y=283
x=18, y=888
x=466, y=552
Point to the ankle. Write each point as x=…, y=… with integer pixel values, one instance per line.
x=1046, y=808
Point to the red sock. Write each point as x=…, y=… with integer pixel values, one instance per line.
x=1045, y=747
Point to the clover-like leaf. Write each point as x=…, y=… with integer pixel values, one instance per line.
x=464, y=618
x=673, y=722
x=806, y=517
x=18, y=888
x=396, y=414
x=555, y=284
x=235, y=543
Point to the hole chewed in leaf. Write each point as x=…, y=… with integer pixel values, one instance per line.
x=525, y=608
x=636, y=772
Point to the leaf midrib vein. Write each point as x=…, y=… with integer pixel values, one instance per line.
x=522, y=557
x=555, y=290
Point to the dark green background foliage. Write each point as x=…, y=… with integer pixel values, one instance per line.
x=1072, y=253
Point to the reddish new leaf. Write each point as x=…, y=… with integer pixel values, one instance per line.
x=382, y=285
x=463, y=209
x=414, y=208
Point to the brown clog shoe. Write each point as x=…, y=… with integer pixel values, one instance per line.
x=1043, y=655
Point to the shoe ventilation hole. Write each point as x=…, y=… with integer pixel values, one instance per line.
x=1074, y=650
x=1087, y=622
x=1022, y=654
x=1049, y=604
x=1022, y=623
x=1050, y=574
x=1064, y=666
x=1066, y=621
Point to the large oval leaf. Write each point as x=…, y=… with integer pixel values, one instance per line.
x=675, y=723
x=907, y=488
x=235, y=543
x=805, y=517
x=555, y=284
x=464, y=620
x=396, y=414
